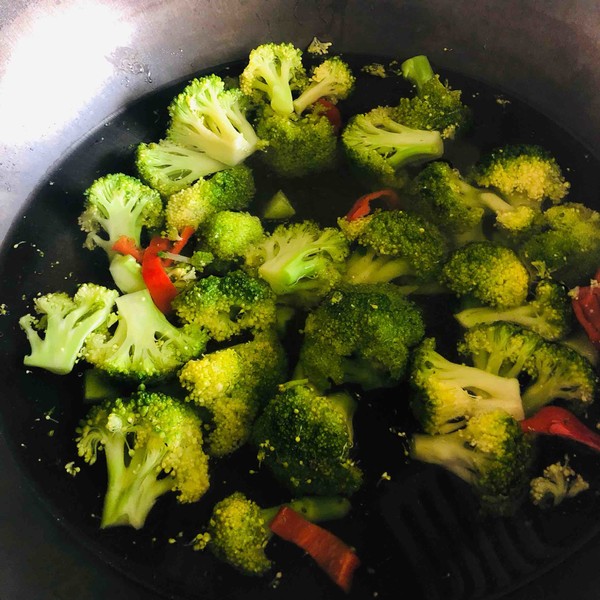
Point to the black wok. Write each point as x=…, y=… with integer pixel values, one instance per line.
x=69, y=67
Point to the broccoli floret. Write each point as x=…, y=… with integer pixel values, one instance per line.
x=447, y=394
x=332, y=79
x=568, y=244
x=547, y=311
x=230, y=189
x=558, y=482
x=273, y=72
x=523, y=174
x=300, y=261
x=364, y=265
x=119, y=206
x=297, y=146
x=491, y=454
x=361, y=334
x=306, y=438
x=435, y=106
x=232, y=385
x=238, y=531
x=559, y=373
x=443, y=196
x=380, y=147
x=487, y=272
x=141, y=344
x=207, y=117
x=169, y=167
x=227, y=305
x=66, y=322
x=153, y=445
x=501, y=348
x=228, y=235
x=417, y=244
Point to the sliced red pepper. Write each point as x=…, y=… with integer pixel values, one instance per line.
x=555, y=420
x=332, y=112
x=157, y=280
x=184, y=237
x=127, y=246
x=334, y=556
x=362, y=207
x=586, y=306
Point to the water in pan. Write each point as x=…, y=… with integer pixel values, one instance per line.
x=416, y=526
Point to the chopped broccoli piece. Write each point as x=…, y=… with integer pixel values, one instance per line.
x=447, y=394
x=524, y=174
x=557, y=483
x=227, y=305
x=305, y=438
x=487, y=272
x=547, y=311
x=435, y=106
x=380, y=147
x=208, y=118
x=230, y=189
x=364, y=265
x=332, y=79
x=361, y=334
x=66, y=323
x=153, y=445
x=126, y=272
x=491, y=454
x=273, y=72
x=169, y=167
x=278, y=207
x=119, y=206
x=142, y=344
x=232, y=385
x=238, y=531
x=300, y=261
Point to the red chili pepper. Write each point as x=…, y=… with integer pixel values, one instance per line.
x=127, y=246
x=157, y=280
x=362, y=207
x=178, y=246
x=332, y=112
x=586, y=306
x=335, y=557
x=555, y=420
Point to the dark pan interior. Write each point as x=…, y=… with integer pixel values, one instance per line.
x=418, y=526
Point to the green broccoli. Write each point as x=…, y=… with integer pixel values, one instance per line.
x=228, y=235
x=491, y=454
x=300, y=261
x=557, y=483
x=66, y=323
x=306, y=439
x=230, y=189
x=126, y=272
x=442, y=195
x=227, y=305
x=141, y=344
x=381, y=148
x=208, y=118
x=547, y=311
x=523, y=174
x=272, y=74
x=487, y=272
x=120, y=206
x=238, y=531
x=435, y=106
x=153, y=445
x=447, y=394
x=361, y=334
x=232, y=384
x=567, y=246
x=169, y=167
x=278, y=207
x=332, y=79
x=417, y=246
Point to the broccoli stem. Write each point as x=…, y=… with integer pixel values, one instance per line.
x=312, y=94
x=371, y=268
x=522, y=315
x=418, y=71
x=313, y=508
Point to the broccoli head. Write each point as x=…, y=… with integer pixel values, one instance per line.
x=558, y=482
x=153, y=445
x=306, y=438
